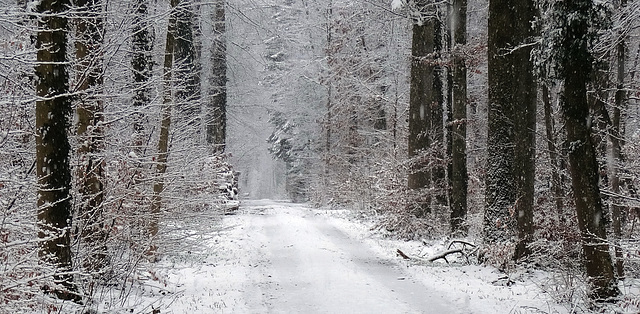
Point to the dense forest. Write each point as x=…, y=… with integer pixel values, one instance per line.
x=509, y=124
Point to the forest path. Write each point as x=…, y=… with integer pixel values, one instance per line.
x=277, y=257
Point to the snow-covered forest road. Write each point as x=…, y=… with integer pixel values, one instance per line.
x=282, y=258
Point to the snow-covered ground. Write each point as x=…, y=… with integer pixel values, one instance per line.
x=278, y=257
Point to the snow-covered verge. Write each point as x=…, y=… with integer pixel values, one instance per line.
x=483, y=288
x=278, y=257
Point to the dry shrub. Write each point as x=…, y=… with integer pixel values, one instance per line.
x=407, y=226
x=498, y=255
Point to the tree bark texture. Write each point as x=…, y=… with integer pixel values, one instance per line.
x=425, y=116
x=53, y=109
x=439, y=173
x=217, y=102
x=511, y=132
x=90, y=131
x=165, y=125
x=556, y=181
x=597, y=98
x=185, y=65
x=142, y=66
x=576, y=68
x=459, y=177
x=328, y=122
x=449, y=39
x=616, y=137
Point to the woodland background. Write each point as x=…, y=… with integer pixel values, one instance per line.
x=436, y=127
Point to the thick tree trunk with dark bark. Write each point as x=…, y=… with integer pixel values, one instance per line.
x=419, y=105
x=425, y=118
x=576, y=67
x=53, y=109
x=458, y=177
x=439, y=172
x=217, y=102
x=187, y=70
x=511, y=137
x=142, y=66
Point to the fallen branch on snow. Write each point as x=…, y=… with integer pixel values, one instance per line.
x=467, y=249
x=444, y=255
x=405, y=256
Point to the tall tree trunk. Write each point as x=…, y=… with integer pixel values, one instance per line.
x=165, y=125
x=142, y=69
x=459, y=178
x=511, y=136
x=597, y=98
x=217, y=104
x=422, y=110
x=53, y=108
x=328, y=123
x=90, y=131
x=438, y=174
x=185, y=65
x=576, y=67
x=558, y=193
x=142, y=66
x=616, y=138
x=449, y=39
